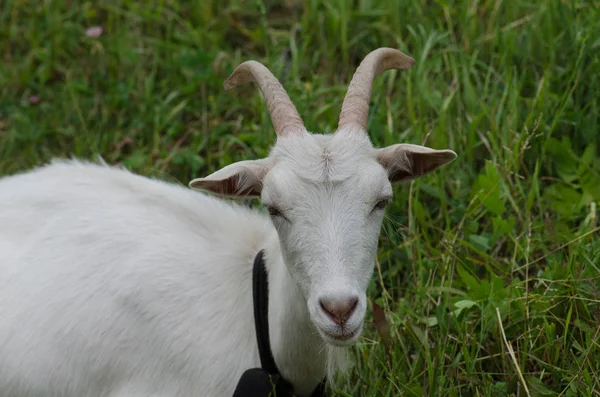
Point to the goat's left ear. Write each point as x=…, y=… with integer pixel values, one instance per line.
x=405, y=161
x=241, y=179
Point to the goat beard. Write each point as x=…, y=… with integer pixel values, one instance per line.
x=337, y=361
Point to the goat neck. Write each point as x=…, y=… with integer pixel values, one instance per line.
x=298, y=350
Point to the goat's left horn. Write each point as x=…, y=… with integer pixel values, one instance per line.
x=284, y=115
x=355, y=108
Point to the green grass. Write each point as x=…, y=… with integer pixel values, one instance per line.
x=498, y=252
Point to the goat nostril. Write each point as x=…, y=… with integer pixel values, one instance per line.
x=339, y=310
x=352, y=306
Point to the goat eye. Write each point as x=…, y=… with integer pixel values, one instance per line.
x=381, y=204
x=273, y=211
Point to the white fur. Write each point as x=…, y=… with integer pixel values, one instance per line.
x=113, y=284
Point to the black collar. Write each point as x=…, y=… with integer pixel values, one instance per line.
x=260, y=291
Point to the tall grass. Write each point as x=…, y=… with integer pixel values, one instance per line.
x=488, y=272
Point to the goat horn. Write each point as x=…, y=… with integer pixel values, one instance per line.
x=355, y=108
x=284, y=115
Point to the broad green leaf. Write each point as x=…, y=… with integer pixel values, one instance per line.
x=563, y=158
x=488, y=189
x=482, y=242
x=563, y=199
x=589, y=154
x=590, y=184
x=465, y=304
x=502, y=227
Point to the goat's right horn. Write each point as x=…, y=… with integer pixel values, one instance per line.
x=355, y=108
x=284, y=115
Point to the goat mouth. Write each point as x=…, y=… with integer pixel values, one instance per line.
x=343, y=339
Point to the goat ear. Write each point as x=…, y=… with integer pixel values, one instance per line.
x=405, y=161
x=241, y=179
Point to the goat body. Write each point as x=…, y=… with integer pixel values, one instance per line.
x=112, y=284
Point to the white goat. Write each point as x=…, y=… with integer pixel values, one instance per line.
x=112, y=284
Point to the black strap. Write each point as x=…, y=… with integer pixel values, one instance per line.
x=260, y=292
x=260, y=285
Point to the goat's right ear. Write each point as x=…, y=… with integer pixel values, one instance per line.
x=405, y=161
x=241, y=179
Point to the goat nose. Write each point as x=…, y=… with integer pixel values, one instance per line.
x=339, y=310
